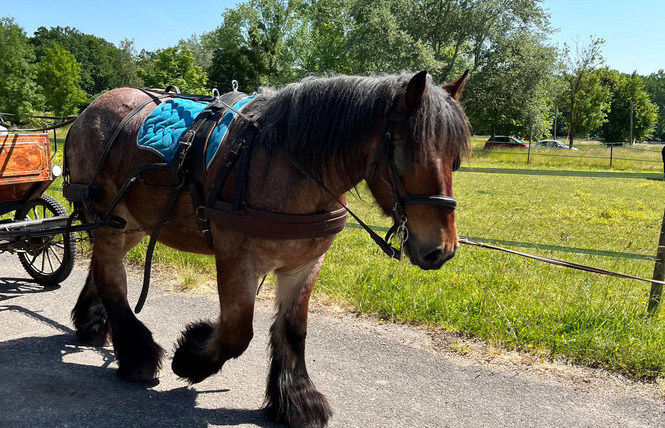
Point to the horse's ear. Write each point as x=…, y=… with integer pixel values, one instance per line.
x=415, y=90
x=455, y=87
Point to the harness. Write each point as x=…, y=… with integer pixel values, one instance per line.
x=188, y=168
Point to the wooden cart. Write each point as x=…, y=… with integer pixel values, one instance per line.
x=38, y=231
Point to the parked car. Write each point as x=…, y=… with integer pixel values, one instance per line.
x=501, y=141
x=553, y=144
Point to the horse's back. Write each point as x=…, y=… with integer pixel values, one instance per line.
x=92, y=131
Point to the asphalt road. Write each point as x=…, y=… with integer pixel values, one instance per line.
x=374, y=374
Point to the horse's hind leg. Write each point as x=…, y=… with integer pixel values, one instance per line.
x=290, y=395
x=139, y=357
x=89, y=315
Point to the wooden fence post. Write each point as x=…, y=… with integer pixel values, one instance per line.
x=611, y=154
x=658, y=273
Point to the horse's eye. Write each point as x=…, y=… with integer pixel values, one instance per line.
x=457, y=163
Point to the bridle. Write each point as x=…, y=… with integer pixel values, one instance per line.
x=399, y=197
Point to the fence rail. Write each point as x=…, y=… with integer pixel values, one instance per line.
x=565, y=173
x=531, y=153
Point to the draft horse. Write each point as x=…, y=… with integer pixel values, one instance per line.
x=314, y=141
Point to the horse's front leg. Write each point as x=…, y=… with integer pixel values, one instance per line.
x=204, y=347
x=291, y=397
x=139, y=357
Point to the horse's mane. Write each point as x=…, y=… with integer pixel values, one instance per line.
x=325, y=121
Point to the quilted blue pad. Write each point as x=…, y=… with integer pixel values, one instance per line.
x=164, y=126
x=218, y=133
x=162, y=129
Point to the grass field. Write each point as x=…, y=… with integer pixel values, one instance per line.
x=508, y=301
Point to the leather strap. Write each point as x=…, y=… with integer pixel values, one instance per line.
x=267, y=225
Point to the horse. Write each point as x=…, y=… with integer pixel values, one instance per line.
x=314, y=141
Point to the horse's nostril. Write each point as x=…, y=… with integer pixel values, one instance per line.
x=434, y=256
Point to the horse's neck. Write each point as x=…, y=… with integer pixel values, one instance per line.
x=307, y=190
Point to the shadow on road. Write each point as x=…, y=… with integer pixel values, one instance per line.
x=55, y=381
x=14, y=287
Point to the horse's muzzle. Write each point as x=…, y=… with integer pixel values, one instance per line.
x=428, y=257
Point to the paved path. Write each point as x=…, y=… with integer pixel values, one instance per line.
x=374, y=374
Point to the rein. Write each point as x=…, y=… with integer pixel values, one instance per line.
x=399, y=197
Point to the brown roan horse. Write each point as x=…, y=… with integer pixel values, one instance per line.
x=334, y=128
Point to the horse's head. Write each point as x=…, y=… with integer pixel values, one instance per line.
x=410, y=176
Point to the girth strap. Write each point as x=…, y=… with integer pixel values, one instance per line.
x=267, y=225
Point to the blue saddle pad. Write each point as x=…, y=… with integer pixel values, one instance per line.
x=164, y=126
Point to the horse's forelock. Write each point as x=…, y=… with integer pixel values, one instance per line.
x=439, y=124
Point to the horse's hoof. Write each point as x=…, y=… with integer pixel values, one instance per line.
x=139, y=357
x=143, y=367
x=190, y=360
x=300, y=406
x=91, y=323
x=95, y=336
x=146, y=377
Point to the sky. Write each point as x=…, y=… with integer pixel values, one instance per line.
x=632, y=30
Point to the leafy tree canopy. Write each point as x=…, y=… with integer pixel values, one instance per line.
x=509, y=94
x=255, y=45
x=18, y=89
x=97, y=57
x=654, y=85
x=584, y=101
x=59, y=74
x=627, y=98
x=174, y=66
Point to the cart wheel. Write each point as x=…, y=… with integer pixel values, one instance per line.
x=51, y=259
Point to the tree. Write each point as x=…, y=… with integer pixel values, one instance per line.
x=461, y=33
x=324, y=44
x=378, y=43
x=59, y=74
x=654, y=85
x=254, y=45
x=509, y=93
x=627, y=98
x=96, y=56
x=174, y=66
x=18, y=89
x=125, y=67
x=583, y=99
x=201, y=48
